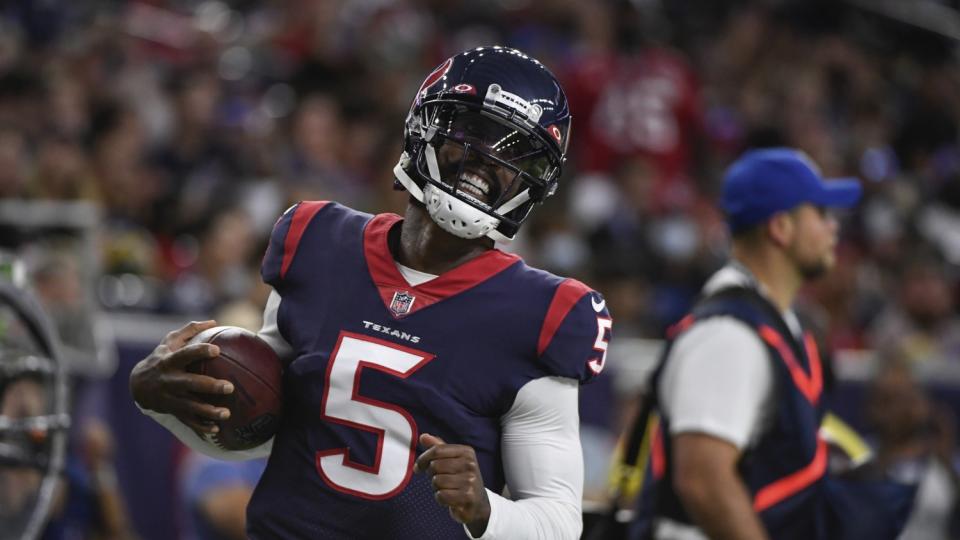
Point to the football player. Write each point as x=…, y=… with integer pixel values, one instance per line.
x=425, y=370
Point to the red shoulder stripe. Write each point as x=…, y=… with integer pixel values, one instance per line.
x=566, y=296
x=302, y=216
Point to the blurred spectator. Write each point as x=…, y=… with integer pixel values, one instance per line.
x=13, y=162
x=915, y=444
x=59, y=285
x=312, y=167
x=921, y=325
x=196, y=166
x=215, y=494
x=20, y=398
x=62, y=173
x=220, y=272
x=117, y=145
x=635, y=99
x=89, y=504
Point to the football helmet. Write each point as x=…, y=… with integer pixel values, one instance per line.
x=33, y=418
x=484, y=142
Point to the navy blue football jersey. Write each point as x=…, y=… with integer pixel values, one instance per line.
x=378, y=361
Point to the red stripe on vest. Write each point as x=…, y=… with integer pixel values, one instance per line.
x=680, y=326
x=792, y=484
x=809, y=385
x=298, y=224
x=566, y=296
x=813, y=355
x=658, y=457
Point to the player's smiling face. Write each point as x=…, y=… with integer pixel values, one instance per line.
x=479, y=178
x=485, y=157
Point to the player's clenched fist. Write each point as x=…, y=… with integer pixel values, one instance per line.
x=160, y=382
x=457, y=483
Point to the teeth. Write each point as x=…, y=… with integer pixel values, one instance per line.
x=471, y=184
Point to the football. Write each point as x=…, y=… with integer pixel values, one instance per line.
x=255, y=371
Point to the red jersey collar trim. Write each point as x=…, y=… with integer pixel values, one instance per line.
x=391, y=283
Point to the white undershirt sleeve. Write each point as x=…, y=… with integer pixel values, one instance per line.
x=719, y=381
x=200, y=444
x=543, y=463
x=270, y=331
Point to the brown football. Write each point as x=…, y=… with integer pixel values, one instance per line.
x=255, y=371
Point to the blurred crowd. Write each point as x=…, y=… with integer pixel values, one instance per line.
x=191, y=125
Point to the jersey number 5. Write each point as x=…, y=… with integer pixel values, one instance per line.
x=394, y=427
x=604, y=325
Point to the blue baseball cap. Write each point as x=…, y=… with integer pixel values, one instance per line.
x=763, y=182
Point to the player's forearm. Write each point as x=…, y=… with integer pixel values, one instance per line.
x=531, y=519
x=720, y=505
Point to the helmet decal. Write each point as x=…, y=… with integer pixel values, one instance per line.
x=555, y=131
x=433, y=78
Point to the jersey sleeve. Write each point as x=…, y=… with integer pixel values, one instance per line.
x=285, y=240
x=575, y=333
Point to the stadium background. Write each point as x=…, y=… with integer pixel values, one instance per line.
x=146, y=147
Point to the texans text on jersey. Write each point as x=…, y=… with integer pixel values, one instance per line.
x=391, y=332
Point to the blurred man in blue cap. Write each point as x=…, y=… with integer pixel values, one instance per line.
x=739, y=389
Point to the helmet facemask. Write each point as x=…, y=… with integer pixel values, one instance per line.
x=33, y=419
x=478, y=173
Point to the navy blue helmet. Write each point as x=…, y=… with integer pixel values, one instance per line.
x=485, y=141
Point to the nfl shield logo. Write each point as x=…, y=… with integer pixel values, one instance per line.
x=401, y=303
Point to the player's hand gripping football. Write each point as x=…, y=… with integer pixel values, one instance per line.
x=161, y=383
x=457, y=483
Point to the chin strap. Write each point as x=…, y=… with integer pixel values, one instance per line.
x=400, y=173
x=514, y=203
x=452, y=214
x=430, y=154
